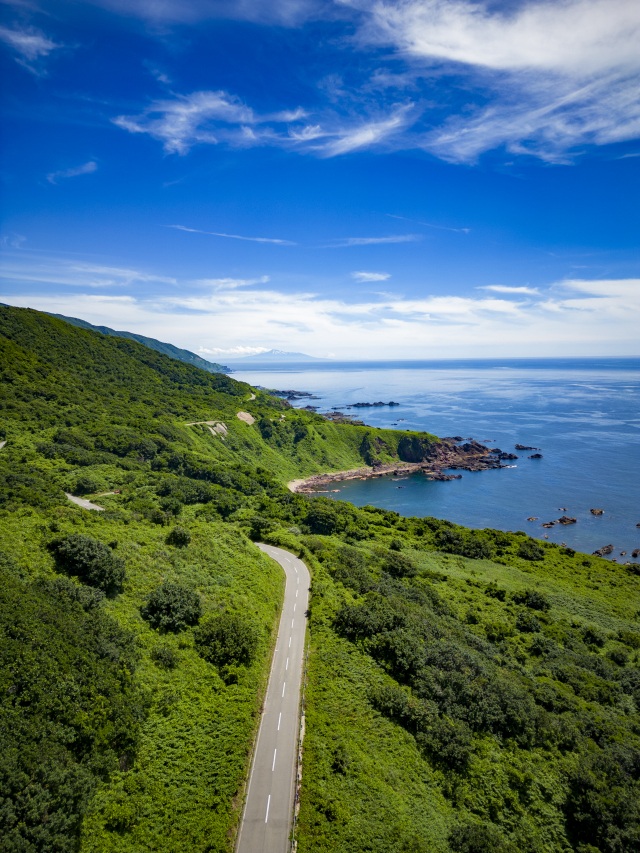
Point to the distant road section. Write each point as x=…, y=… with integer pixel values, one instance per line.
x=268, y=812
x=85, y=504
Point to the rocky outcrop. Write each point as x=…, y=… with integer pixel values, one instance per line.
x=526, y=447
x=417, y=453
x=602, y=552
x=596, y=511
x=536, y=456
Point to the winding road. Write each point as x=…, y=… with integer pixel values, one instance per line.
x=268, y=812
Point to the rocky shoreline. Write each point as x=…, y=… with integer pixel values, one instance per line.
x=446, y=454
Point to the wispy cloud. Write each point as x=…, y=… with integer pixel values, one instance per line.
x=188, y=119
x=218, y=117
x=504, y=288
x=84, y=169
x=30, y=45
x=11, y=240
x=370, y=276
x=77, y=275
x=238, y=350
x=430, y=224
x=230, y=283
x=574, y=317
x=373, y=241
x=288, y=13
x=549, y=77
x=366, y=134
x=275, y=240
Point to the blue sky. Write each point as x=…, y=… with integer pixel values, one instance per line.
x=348, y=178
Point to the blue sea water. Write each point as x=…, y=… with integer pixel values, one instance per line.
x=584, y=415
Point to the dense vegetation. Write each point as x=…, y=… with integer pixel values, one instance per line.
x=467, y=690
x=159, y=346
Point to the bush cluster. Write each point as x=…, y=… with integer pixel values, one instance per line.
x=172, y=607
x=91, y=561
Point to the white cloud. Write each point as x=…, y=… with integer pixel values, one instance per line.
x=30, y=44
x=574, y=317
x=187, y=119
x=84, y=169
x=366, y=134
x=239, y=350
x=212, y=118
x=74, y=274
x=230, y=283
x=372, y=241
x=573, y=36
x=370, y=276
x=557, y=76
x=275, y=240
x=430, y=224
x=503, y=288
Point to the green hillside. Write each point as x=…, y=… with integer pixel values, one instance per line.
x=159, y=346
x=466, y=690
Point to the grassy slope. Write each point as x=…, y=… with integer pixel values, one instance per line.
x=368, y=786
x=78, y=405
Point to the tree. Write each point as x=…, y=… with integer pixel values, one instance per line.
x=399, y=565
x=227, y=638
x=324, y=517
x=533, y=599
x=91, y=561
x=530, y=550
x=178, y=537
x=172, y=607
x=478, y=838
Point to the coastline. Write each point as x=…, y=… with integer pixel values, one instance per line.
x=310, y=484
x=446, y=454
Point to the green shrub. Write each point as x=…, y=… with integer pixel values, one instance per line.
x=69, y=712
x=179, y=537
x=227, y=638
x=478, y=838
x=527, y=622
x=324, y=517
x=91, y=561
x=399, y=565
x=164, y=656
x=86, y=485
x=172, y=607
x=530, y=550
x=533, y=599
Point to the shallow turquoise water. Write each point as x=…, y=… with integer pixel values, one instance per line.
x=584, y=415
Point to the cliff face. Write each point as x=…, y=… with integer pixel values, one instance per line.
x=447, y=453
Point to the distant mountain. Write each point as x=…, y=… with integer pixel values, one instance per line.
x=275, y=356
x=159, y=346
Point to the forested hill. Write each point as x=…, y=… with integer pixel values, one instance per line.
x=159, y=346
x=467, y=691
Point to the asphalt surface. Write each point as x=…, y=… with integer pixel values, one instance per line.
x=268, y=812
x=85, y=504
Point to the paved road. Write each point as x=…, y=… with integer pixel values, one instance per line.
x=268, y=811
x=85, y=504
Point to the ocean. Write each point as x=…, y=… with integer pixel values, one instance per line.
x=583, y=414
